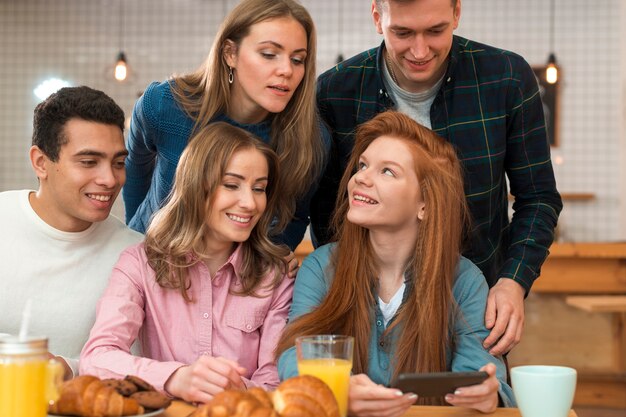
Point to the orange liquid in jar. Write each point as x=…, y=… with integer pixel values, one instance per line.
x=23, y=388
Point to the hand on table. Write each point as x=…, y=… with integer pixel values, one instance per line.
x=504, y=316
x=367, y=399
x=482, y=397
x=204, y=378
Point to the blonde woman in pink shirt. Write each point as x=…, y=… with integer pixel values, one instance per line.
x=205, y=295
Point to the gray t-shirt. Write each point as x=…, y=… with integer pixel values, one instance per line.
x=414, y=105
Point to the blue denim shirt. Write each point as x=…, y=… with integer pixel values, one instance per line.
x=470, y=293
x=159, y=133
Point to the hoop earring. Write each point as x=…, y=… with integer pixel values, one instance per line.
x=231, y=76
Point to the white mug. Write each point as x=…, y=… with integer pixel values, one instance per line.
x=544, y=391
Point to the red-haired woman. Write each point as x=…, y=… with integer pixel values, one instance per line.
x=395, y=279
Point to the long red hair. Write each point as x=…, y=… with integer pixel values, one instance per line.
x=348, y=307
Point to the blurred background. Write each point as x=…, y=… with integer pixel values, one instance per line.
x=45, y=43
x=78, y=41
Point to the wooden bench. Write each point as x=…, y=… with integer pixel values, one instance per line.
x=599, y=303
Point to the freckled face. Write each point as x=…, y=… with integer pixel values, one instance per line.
x=385, y=193
x=268, y=67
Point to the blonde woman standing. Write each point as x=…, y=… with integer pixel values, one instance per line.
x=259, y=76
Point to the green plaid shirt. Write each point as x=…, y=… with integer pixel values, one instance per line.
x=490, y=109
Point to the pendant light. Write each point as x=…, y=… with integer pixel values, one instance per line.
x=121, y=65
x=552, y=71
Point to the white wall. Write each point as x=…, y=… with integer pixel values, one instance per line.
x=79, y=39
x=622, y=189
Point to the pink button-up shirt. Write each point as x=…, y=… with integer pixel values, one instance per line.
x=173, y=332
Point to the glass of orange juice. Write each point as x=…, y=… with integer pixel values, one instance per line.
x=328, y=357
x=28, y=379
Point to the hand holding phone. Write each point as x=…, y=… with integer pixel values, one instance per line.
x=437, y=384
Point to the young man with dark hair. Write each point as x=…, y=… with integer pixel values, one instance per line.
x=60, y=242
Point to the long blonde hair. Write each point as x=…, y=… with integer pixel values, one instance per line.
x=348, y=307
x=175, y=238
x=295, y=134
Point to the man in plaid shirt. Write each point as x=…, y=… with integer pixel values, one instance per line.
x=483, y=100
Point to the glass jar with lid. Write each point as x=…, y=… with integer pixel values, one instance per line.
x=28, y=379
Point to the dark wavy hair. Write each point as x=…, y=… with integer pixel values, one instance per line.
x=68, y=103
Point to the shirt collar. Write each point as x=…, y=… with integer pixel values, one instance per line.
x=380, y=61
x=455, y=51
x=233, y=262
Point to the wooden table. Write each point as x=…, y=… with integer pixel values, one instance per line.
x=181, y=409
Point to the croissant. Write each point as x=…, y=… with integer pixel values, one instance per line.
x=252, y=403
x=87, y=396
x=302, y=396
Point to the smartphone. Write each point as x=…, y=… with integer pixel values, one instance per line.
x=437, y=384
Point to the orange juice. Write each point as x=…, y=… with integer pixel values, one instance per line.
x=27, y=378
x=23, y=389
x=335, y=373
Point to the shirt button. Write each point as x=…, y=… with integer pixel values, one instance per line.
x=379, y=323
x=205, y=315
x=248, y=326
x=381, y=343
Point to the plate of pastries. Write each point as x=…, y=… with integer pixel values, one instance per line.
x=301, y=396
x=89, y=396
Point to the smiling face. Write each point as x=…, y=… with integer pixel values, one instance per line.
x=418, y=39
x=268, y=67
x=81, y=186
x=239, y=200
x=385, y=193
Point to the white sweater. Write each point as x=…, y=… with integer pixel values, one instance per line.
x=63, y=273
